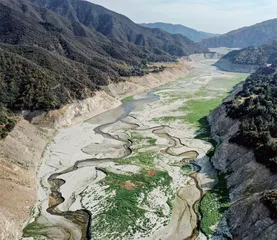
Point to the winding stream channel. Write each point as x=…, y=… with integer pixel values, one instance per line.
x=134, y=172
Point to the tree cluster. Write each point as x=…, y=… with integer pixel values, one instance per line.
x=7, y=123
x=256, y=107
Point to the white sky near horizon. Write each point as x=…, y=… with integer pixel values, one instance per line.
x=214, y=16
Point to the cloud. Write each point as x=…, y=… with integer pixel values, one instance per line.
x=218, y=16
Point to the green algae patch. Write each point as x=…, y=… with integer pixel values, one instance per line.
x=127, y=196
x=127, y=99
x=197, y=109
x=151, y=141
x=35, y=230
x=140, y=141
x=213, y=206
x=140, y=157
x=145, y=159
x=169, y=119
x=187, y=169
x=200, y=103
x=194, y=110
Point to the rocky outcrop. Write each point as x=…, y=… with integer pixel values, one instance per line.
x=248, y=217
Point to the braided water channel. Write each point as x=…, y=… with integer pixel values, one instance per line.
x=63, y=215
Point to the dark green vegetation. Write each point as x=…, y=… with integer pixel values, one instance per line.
x=255, y=106
x=190, y=33
x=213, y=206
x=53, y=52
x=7, y=123
x=187, y=169
x=266, y=53
x=254, y=35
x=126, y=203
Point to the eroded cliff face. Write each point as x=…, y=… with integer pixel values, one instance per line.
x=20, y=155
x=248, y=217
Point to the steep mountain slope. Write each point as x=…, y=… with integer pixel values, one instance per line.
x=48, y=60
x=248, y=59
x=245, y=129
x=254, y=35
x=119, y=28
x=190, y=33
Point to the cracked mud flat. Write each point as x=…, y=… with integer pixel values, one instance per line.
x=134, y=172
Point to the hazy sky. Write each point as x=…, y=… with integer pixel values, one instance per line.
x=217, y=16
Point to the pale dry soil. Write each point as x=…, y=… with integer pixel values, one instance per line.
x=21, y=151
x=151, y=193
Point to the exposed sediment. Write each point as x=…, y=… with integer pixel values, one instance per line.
x=19, y=170
x=77, y=112
x=82, y=217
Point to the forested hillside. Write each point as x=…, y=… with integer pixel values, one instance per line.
x=256, y=107
x=48, y=59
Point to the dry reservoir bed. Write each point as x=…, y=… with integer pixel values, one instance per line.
x=135, y=172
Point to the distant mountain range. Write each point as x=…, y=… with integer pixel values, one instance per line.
x=190, y=33
x=52, y=52
x=249, y=59
x=255, y=35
